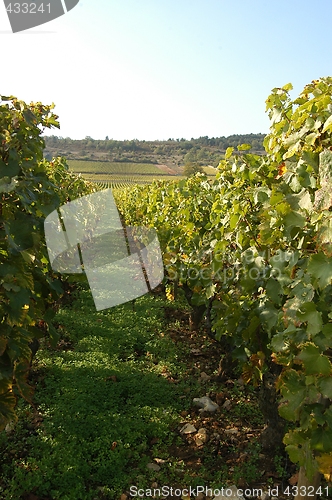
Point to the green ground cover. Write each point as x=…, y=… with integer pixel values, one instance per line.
x=112, y=397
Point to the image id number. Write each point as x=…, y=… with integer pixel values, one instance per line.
x=28, y=8
x=306, y=491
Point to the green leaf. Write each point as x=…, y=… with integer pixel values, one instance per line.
x=10, y=169
x=314, y=361
x=20, y=229
x=287, y=87
x=294, y=219
x=228, y=153
x=289, y=409
x=8, y=186
x=295, y=454
x=311, y=138
x=305, y=201
x=3, y=344
x=54, y=335
x=274, y=290
x=29, y=117
x=321, y=439
x=325, y=386
x=293, y=390
x=210, y=291
x=244, y=147
x=327, y=124
x=11, y=287
x=234, y=220
x=309, y=314
x=279, y=342
x=311, y=158
x=269, y=316
x=320, y=267
x=28, y=257
x=21, y=373
x=7, y=408
x=19, y=298
x=261, y=194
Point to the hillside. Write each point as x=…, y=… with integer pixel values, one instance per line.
x=170, y=155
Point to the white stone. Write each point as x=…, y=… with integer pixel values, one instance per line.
x=206, y=404
x=231, y=431
x=201, y=437
x=188, y=429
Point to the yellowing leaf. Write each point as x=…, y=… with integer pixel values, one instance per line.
x=325, y=464
x=328, y=124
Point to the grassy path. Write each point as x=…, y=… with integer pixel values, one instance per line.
x=110, y=401
x=102, y=399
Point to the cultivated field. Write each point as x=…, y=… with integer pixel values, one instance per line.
x=118, y=174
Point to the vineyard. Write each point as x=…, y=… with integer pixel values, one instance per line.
x=249, y=253
x=118, y=175
x=119, y=181
x=106, y=167
x=252, y=253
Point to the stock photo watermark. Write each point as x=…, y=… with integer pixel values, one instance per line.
x=25, y=15
x=230, y=492
x=220, y=267
x=86, y=236
x=122, y=263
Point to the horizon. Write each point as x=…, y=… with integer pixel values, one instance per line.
x=177, y=139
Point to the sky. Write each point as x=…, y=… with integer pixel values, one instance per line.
x=160, y=69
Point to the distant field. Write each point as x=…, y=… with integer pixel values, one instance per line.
x=107, y=167
x=118, y=175
x=119, y=180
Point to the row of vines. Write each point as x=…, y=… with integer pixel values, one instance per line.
x=119, y=182
x=253, y=253
x=30, y=189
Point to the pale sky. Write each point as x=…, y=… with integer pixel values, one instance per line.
x=159, y=69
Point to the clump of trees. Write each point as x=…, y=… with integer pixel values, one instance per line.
x=191, y=168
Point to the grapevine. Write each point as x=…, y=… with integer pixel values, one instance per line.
x=254, y=248
x=31, y=188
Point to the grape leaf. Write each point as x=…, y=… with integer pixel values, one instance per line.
x=314, y=361
x=320, y=267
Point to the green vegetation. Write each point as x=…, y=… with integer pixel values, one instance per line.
x=174, y=153
x=252, y=251
x=118, y=175
x=191, y=168
x=110, y=168
x=30, y=188
x=111, y=398
x=249, y=252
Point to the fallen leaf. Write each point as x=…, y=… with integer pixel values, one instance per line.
x=294, y=479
